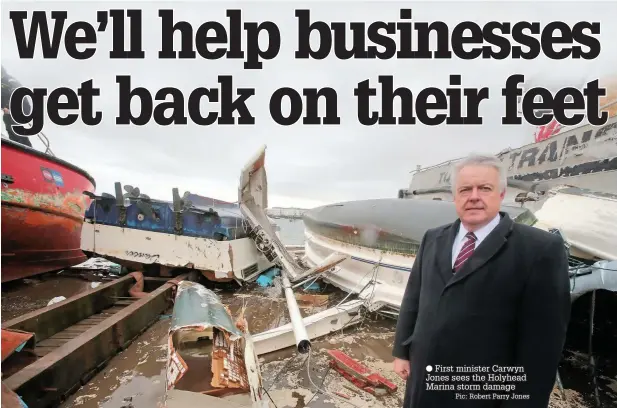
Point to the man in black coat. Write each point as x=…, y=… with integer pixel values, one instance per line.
x=487, y=304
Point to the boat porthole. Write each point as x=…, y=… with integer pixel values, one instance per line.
x=140, y=217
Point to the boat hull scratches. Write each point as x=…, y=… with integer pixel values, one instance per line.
x=46, y=381
x=376, y=276
x=221, y=260
x=43, y=208
x=41, y=233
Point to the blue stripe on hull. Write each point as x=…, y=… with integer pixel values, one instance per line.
x=399, y=268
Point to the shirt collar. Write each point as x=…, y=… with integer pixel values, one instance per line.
x=480, y=233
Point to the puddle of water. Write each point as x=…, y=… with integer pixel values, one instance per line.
x=26, y=295
x=134, y=378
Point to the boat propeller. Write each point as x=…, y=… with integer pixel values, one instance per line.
x=183, y=203
x=141, y=201
x=134, y=193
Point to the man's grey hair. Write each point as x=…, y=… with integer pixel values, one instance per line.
x=480, y=160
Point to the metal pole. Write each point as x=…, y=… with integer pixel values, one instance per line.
x=302, y=340
x=592, y=360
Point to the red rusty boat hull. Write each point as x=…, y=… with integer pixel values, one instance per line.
x=43, y=208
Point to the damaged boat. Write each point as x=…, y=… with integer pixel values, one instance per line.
x=191, y=233
x=564, y=183
x=43, y=204
x=211, y=358
x=583, y=156
x=363, y=247
x=380, y=249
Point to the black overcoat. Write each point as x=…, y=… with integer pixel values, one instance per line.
x=508, y=306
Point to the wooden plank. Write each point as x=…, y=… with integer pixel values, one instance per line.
x=95, y=319
x=50, y=320
x=44, y=382
x=125, y=302
x=52, y=342
x=74, y=331
x=64, y=335
x=98, y=318
x=43, y=351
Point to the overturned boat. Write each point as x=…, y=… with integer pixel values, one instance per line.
x=380, y=238
x=220, y=240
x=191, y=233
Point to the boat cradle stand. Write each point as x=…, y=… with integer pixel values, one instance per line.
x=76, y=338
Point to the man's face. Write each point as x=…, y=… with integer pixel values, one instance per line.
x=477, y=195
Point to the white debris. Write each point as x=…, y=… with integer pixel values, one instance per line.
x=57, y=299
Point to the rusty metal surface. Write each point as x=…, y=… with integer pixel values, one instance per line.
x=44, y=382
x=10, y=399
x=13, y=340
x=43, y=207
x=47, y=321
x=37, y=241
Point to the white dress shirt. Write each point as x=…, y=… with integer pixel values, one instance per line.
x=482, y=233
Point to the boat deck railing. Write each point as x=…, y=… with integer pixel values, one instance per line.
x=44, y=140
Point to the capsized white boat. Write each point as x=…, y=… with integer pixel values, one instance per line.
x=380, y=238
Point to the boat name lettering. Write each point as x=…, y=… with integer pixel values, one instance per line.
x=557, y=148
x=444, y=178
x=552, y=150
x=149, y=257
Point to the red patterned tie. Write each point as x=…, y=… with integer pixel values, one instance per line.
x=466, y=251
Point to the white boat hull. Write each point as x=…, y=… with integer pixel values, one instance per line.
x=376, y=276
x=234, y=259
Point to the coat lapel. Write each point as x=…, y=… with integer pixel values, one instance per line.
x=487, y=249
x=444, y=248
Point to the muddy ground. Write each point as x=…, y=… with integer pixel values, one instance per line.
x=135, y=378
x=26, y=295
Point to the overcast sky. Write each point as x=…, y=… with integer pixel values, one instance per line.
x=307, y=165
